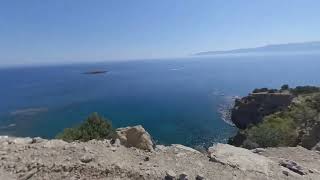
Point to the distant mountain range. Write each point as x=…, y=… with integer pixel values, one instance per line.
x=289, y=47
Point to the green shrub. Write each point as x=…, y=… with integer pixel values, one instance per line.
x=305, y=90
x=281, y=129
x=272, y=90
x=95, y=127
x=273, y=131
x=259, y=90
x=285, y=87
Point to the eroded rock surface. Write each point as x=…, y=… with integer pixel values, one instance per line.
x=97, y=160
x=242, y=159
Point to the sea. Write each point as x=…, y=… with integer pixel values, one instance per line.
x=178, y=101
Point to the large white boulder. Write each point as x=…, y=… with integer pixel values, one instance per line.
x=135, y=136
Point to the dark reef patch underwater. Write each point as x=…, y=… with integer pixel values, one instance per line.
x=177, y=101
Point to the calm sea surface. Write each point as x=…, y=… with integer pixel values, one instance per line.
x=175, y=100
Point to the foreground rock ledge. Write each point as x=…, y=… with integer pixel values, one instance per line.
x=29, y=158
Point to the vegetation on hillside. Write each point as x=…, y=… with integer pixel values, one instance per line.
x=285, y=128
x=94, y=127
x=304, y=90
x=275, y=130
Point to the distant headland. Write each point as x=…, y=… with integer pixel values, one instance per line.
x=273, y=48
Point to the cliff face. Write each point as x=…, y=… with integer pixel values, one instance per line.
x=41, y=159
x=252, y=108
x=288, y=117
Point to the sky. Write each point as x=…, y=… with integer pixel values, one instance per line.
x=68, y=31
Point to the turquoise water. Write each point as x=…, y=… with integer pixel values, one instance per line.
x=175, y=100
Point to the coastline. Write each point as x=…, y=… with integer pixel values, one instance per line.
x=224, y=109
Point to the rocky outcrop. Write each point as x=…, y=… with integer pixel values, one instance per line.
x=135, y=136
x=43, y=159
x=286, y=118
x=252, y=108
x=242, y=159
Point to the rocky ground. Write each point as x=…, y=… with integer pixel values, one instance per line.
x=36, y=158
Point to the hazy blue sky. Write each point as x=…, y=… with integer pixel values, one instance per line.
x=46, y=31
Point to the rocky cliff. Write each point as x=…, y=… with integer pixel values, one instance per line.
x=252, y=108
x=272, y=118
x=40, y=159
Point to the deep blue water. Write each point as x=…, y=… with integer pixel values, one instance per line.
x=175, y=100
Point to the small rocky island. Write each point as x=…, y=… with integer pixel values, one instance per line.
x=95, y=72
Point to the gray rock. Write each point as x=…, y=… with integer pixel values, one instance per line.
x=161, y=148
x=293, y=166
x=86, y=158
x=38, y=140
x=117, y=143
x=199, y=177
x=285, y=173
x=170, y=175
x=107, y=143
x=258, y=150
x=183, y=176
x=22, y=141
x=240, y=158
x=185, y=148
x=146, y=158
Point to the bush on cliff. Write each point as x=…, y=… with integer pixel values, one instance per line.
x=259, y=90
x=95, y=127
x=304, y=90
x=286, y=128
x=274, y=131
x=284, y=87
